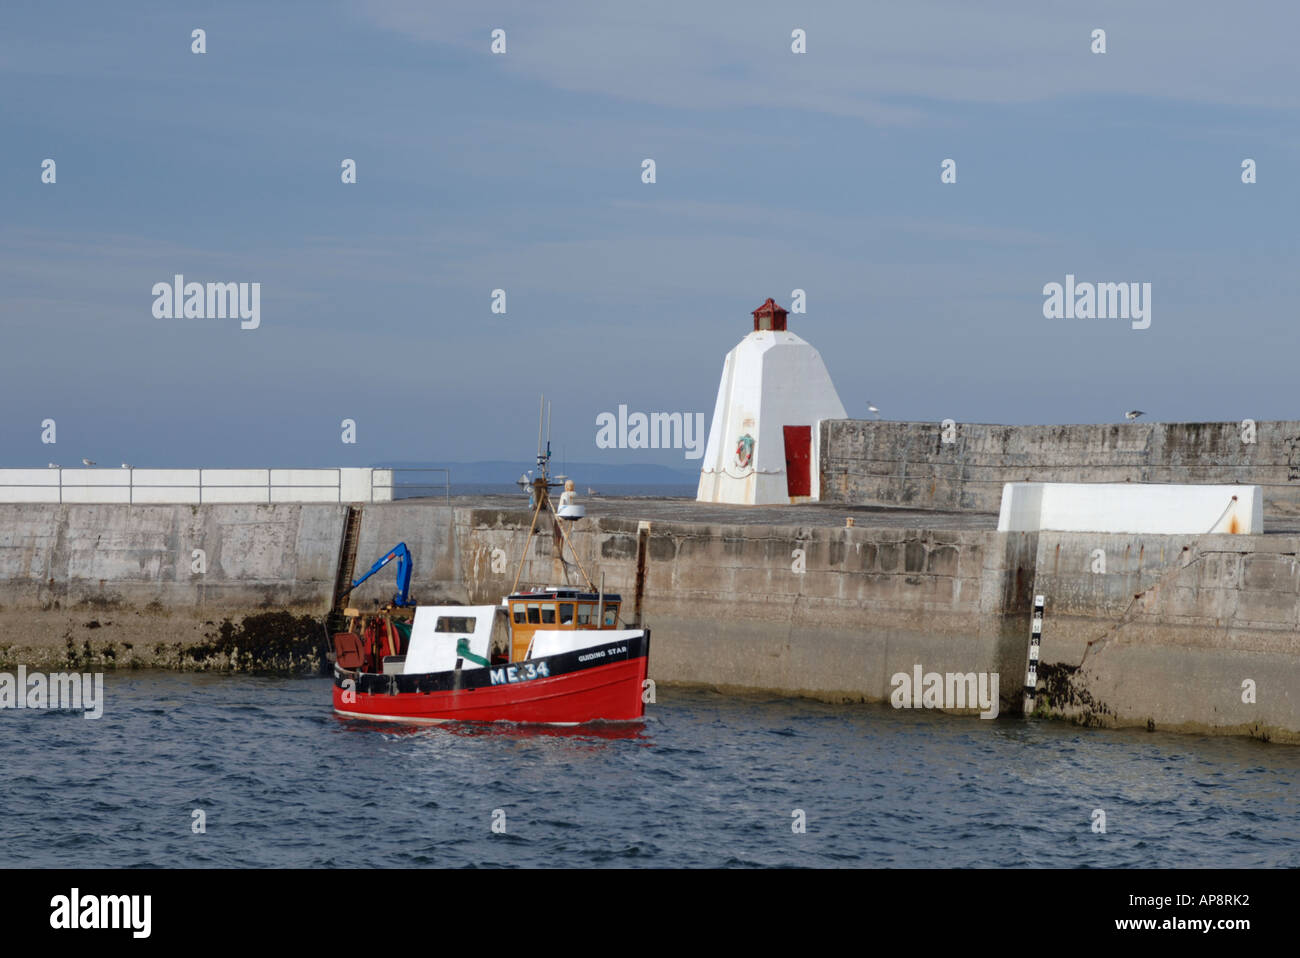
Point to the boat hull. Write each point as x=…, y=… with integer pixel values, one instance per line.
x=600, y=683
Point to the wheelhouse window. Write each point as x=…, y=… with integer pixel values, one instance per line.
x=454, y=623
x=586, y=613
x=534, y=613
x=521, y=614
x=548, y=613
x=611, y=615
x=566, y=613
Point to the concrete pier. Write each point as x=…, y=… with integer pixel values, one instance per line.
x=1193, y=632
x=1170, y=632
x=963, y=466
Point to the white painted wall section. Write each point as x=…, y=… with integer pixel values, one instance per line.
x=194, y=486
x=1153, y=508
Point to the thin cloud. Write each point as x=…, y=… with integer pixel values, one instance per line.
x=872, y=62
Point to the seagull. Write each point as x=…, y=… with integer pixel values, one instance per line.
x=86, y=462
x=53, y=465
x=1133, y=414
x=125, y=466
x=871, y=408
x=591, y=491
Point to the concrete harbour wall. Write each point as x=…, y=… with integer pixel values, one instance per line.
x=728, y=608
x=1161, y=631
x=1181, y=629
x=103, y=556
x=910, y=464
x=125, y=577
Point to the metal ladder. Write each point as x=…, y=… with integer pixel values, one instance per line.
x=347, y=558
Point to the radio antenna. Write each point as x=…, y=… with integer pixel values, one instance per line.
x=541, y=406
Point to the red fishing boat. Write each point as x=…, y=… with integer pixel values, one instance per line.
x=555, y=656
x=558, y=655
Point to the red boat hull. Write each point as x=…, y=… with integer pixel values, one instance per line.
x=571, y=694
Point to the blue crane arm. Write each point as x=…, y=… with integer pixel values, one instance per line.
x=403, y=557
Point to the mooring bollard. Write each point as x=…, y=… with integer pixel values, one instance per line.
x=1035, y=640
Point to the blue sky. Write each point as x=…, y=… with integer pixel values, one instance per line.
x=775, y=171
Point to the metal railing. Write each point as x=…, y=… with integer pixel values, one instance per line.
x=332, y=480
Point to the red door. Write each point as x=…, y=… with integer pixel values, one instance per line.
x=798, y=452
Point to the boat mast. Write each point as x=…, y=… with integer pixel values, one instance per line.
x=541, y=487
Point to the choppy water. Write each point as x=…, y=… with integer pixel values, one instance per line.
x=707, y=781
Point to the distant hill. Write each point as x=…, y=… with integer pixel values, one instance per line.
x=584, y=473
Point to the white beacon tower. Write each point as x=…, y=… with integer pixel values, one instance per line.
x=764, y=442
